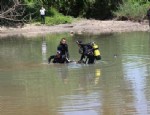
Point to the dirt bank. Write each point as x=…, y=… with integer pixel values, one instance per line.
x=82, y=26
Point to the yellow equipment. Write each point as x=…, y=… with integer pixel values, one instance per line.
x=96, y=50
x=97, y=53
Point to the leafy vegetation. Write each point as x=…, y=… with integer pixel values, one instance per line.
x=62, y=11
x=57, y=18
x=132, y=10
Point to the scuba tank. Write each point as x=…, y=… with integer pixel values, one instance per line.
x=96, y=51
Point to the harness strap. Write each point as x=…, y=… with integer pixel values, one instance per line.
x=96, y=48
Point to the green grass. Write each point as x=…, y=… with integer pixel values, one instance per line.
x=59, y=19
x=53, y=17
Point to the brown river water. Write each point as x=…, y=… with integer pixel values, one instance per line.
x=119, y=84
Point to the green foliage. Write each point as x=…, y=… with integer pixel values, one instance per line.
x=132, y=10
x=58, y=11
x=53, y=12
x=54, y=17
x=58, y=20
x=30, y=3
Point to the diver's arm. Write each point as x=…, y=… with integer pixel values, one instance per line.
x=82, y=57
x=67, y=51
x=50, y=58
x=82, y=53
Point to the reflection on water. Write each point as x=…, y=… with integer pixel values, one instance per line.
x=80, y=104
x=135, y=72
x=119, y=84
x=44, y=49
x=97, y=76
x=83, y=99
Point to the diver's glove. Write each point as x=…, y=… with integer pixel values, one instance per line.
x=67, y=60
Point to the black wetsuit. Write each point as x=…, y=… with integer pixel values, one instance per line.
x=56, y=59
x=87, y=51
x=63, y=48
x=62, y=57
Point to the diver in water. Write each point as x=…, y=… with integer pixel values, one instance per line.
x=56, y=58
x=63, y=48
x=90, y=52
x=86, y=51
x=62, y=55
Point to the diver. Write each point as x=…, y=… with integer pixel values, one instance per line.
x=62, y=55
x=87, y=53
x=56, y=58
x=63, y=48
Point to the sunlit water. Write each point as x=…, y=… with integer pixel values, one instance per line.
x=119, y=84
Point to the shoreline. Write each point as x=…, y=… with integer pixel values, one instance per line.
x=79, y=27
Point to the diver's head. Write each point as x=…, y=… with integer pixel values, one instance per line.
x=58, y=53
x=63, y=41
x=79, y=42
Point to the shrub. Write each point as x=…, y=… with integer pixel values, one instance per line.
x=132, y=10
x=54, y=17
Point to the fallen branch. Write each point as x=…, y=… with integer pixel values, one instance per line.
x=13, y=12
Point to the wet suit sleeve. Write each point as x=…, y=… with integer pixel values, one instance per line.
x=67, y=52
x=59, y=48
x=83, y=53
x=50, y=58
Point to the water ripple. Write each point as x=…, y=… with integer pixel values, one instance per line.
x=135, y=61
x=81, y=102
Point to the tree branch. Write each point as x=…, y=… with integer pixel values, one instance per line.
x=13, y=11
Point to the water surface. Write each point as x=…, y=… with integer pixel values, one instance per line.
x=119, y=84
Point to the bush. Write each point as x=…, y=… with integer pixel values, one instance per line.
x=132, y=10
x=58, y=20
x=54, y=17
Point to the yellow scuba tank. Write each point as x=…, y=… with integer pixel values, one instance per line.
x=96, y=50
